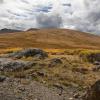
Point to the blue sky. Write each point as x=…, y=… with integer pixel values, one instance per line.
x=83, y=15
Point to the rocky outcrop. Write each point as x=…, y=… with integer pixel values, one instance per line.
x=7, y=64
x=14, y=89
x=5, y=30
x=29, y=53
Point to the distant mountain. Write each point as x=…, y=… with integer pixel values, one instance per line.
x=32, y=29
x=50, y=38
x=5, y=30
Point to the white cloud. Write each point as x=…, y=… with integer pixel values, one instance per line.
x=82, y=15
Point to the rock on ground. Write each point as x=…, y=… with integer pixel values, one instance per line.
x=55, y=61
x=7, y=64
x=27, y=89
x=14, y=89
x=35, y=52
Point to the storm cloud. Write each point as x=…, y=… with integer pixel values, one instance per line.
x=83, y=15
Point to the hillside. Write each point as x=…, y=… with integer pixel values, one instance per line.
x=50, y=38
x=54, y=70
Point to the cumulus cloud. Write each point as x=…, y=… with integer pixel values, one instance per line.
x=81, y=15
x=49, y=21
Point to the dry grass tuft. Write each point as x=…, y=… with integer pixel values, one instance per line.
x=90, y=55
x=9, y=50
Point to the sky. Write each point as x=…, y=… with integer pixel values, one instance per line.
x=82, y=15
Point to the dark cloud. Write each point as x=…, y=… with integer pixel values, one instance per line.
x=49, y=21
x=45, y=9
x=66, y=4
x=81, y=15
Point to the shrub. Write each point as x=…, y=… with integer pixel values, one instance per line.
x=72, y=51
x=90, y=55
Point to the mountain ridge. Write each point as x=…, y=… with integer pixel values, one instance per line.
x=6, y=30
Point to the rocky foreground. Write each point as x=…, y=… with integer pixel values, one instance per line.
x=16, y=89
x=32, y=74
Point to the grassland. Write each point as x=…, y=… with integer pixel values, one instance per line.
x=73, y=71
x=50, y=39
x=76, y=53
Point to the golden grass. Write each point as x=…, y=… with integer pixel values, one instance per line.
x=9, y=50
x=90, y=55
x=50, y=38
x=61, y=73
x=54, y=50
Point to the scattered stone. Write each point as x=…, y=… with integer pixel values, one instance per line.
x=55, y=62
x=22, y=89
x=70, y=98
x=36, y=99
x=42, y=73
x=76, y=95
x=15, y=90
x=60, y=87
x=2, y=78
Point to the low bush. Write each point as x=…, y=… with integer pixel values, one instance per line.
x=90, y=55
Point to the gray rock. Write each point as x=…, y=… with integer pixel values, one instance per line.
x=7, y=64
x=42, y=73
x=29, y=53
x=55, y=62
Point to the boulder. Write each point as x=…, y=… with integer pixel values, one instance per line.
x=94, y=92
x=7, y=64
x=29, y=53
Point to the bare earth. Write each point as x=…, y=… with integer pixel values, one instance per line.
x=16, y=89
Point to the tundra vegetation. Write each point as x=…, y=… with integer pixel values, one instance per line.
x=60, y=68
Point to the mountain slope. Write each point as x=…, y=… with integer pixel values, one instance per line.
x=50, y=38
